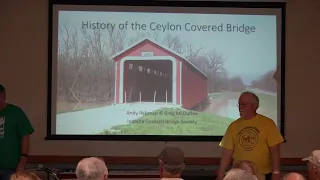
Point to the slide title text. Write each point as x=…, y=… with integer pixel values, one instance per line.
x=189, y=27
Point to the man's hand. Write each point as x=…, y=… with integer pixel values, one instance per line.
x=275, y=155
x=25, y=143
x=224, y=163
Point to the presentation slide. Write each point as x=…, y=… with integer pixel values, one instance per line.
x=160, y=73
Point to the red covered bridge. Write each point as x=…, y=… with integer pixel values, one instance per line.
x=149, y=72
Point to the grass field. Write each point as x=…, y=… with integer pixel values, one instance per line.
x=173, y=122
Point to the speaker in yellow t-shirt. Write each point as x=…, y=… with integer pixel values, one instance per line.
x=251, y=136
x=251, y=139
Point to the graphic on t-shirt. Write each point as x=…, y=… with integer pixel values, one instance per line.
x=248, y=137
x=2, y=120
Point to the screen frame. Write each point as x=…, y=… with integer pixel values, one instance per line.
x=223, y=4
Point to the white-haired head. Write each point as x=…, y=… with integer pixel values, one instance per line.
x=92, y=168
x=239, y=174
x=248, y=104
x=294, y=176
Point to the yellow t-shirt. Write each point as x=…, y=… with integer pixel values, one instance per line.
x=251, y=139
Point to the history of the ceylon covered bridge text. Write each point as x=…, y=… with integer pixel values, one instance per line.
x=153, y=26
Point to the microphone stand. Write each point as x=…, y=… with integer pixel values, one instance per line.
x=54, y=176
x=50, y=173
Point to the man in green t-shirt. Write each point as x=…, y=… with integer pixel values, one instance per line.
x=15, y=131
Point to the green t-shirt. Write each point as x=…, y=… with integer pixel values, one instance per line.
x=14, y=124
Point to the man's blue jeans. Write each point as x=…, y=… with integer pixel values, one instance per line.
x=6, y=173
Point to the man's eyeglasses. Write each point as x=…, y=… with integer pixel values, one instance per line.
x=243, y=104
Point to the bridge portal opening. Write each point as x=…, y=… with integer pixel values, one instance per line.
x=148, y=81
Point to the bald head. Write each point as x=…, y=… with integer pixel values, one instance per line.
x=91, y=168
x=293, y=176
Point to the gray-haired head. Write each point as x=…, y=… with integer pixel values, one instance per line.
x=92, y=168
x=171, y=161
x=239, y=174
x=255, y=98
x=246, y=165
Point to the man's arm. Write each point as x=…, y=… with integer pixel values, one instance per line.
x=227, y=143
x=224, y=162
x=274, y=139
x=25, y=144
x=275, y=156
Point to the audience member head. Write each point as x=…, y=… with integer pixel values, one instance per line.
x=91, y=168
x=250, y=167
x=239, y=174
x=246, y=165
x=313, y=165
x=293, y=176
x=2, y=97
x=171, y=160
x=248, y=105
x=24, y=175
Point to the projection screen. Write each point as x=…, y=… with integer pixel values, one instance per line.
x=161, y=71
